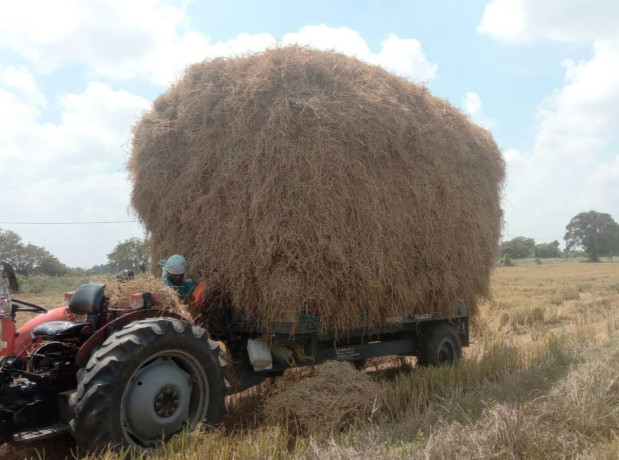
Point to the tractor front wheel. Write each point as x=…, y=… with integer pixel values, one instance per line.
x=148, y=381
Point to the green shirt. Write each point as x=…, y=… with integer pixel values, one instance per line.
x=184, y=290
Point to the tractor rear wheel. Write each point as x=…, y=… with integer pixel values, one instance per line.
x=148, y=381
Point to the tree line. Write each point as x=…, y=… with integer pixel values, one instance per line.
x=29, y=259
x=592, y=234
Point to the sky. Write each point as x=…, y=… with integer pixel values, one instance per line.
x=75, y=76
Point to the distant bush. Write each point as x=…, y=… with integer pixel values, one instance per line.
x=547, y=250
x=506, y=261
x=518, y=248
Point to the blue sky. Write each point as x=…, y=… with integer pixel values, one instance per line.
x=75, y=76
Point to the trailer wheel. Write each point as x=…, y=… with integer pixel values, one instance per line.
x=148, y=381
x=439, y=346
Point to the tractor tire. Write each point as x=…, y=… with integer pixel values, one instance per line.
x=148, y=381
x=440, y=345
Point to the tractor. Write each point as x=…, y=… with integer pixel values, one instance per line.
x=120, y=377
x=136, y=377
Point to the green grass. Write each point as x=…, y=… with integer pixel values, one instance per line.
x=549, y=261
x=40, y=284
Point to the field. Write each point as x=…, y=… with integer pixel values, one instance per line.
x=540, y=380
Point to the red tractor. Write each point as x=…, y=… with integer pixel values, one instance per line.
x=120, y=377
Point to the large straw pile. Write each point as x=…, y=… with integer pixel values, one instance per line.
x=300, y=180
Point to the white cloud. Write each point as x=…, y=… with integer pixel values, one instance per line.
x=100, y=33
x=93, y=127
x=322, y=37
x=15, y=116
x=22, y=79
x=405, y=57
x=68, y=171
x=513, y=156
x=607, y=174
x=471, y=105
x=400, y=56
x=504, y=19
x=562, y=20
x=151, y=40
x=574, y=163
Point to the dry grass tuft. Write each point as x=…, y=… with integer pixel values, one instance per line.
x=337, y=397
x=300, y=180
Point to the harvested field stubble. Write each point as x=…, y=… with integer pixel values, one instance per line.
x=299, y=180
x=542, y=390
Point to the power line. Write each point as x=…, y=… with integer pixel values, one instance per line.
x=71, y=223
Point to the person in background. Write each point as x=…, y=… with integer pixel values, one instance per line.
x=125, y=275
x=174, y=275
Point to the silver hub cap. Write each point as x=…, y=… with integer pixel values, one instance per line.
x=157, y=401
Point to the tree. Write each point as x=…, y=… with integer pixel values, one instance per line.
x=10, y=245
x=23, y=258
x=132, y=254
x=547, y=250
x=50, y=265
x=518, y=248
x=595, y=232
x=28, y=257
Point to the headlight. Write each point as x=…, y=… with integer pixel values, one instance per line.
x=136, y=301
x=143, y=300
x=5, y=307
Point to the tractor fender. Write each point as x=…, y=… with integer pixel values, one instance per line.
x=24, y=340
x=83, y=354
x=7, y=338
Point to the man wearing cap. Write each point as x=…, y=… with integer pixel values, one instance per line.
x=174, y=269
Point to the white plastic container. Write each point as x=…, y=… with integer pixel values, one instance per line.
x=259, y=354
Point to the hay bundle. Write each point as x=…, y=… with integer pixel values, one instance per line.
x=300, y=180
x=165, y=298
x=337, y=397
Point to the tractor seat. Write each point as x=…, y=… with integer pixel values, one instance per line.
x=88, y=299
x=58, y=330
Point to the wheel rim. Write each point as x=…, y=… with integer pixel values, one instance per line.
x=167, y=393
x=446, y=352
